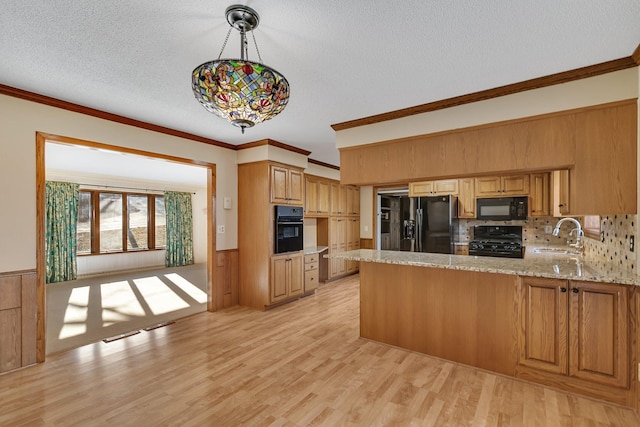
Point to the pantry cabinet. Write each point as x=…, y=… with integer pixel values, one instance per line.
x=576, y=329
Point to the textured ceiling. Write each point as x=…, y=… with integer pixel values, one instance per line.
x=343, y=59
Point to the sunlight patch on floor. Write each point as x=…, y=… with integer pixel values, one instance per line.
x=192, y=290
x=119, y=303
x=160, y=298
x=75, y=316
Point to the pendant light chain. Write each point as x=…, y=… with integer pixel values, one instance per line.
x=225, y=42
x=256, y=44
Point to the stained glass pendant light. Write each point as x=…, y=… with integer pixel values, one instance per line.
x=238, y=90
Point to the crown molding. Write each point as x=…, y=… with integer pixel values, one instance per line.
x=273, y=143
x=76, y=108
x=326, y=165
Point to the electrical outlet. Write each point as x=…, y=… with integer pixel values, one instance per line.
x=366, y=228
x=221, y=229
x=632, y=243
x=548, y=229
x=602, y=236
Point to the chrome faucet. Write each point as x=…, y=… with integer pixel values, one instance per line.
x=579, y=243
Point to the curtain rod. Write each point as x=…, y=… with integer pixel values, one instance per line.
x=124, y=188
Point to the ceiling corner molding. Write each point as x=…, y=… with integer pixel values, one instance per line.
x=76, y=108
x=326, y=165
x=273, y=143
x=537, y=83
x=636, y=55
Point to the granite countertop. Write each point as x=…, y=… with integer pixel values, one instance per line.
x=309, y=250
x=549, y=265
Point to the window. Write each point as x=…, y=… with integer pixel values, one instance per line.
x=111, y=222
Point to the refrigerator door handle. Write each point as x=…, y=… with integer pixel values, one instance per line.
x=418, y=230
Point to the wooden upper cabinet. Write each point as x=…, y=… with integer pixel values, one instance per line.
x=466, y=198
x=345, y=200
x=316, y=196
x=605, y=169
x=310, y=196
x=353, y=200
x=539, y=194
x=498, y=186
x=433, y=188
x=323, y=197
x=335, y=197
x=287, y=185
x=544, y=324
x=560, y=193
x=599, y=341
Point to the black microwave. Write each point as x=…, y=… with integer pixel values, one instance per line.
x=502, y=208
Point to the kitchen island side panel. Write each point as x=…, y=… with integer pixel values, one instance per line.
x=464, y=316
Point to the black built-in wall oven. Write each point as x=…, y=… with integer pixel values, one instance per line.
x=288, y=229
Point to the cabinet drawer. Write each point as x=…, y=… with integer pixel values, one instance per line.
x=311, y=266
x=312, y=258
x=310, y=280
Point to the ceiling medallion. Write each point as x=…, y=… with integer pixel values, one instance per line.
x=238, y=90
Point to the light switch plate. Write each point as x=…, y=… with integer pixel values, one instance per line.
x=226, y=202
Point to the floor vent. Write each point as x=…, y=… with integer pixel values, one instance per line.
x=119, y=337
x=159, y=325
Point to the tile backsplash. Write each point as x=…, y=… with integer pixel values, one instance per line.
x=612, y=253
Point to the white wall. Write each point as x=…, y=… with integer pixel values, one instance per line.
x=609, y=87
x=19, y=122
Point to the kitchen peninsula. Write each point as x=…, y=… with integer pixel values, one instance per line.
x=552, y=319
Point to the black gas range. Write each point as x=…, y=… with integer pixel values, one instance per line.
x=497, y=240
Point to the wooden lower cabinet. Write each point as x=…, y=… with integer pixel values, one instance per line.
x=286, y=277
x=578, y=331
x=311, y=272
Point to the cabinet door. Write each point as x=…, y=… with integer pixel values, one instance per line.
x=539, y=192
x=445, y=186
x=278, y=184
x=599, y=342
x=335, y=198
x=344, y=200
x=466, y=198
x=310, y=197
x=544, y=324
x=323, y=198
x=560, y=196
x=515, y=185
x=353, y=201
x=296, y=275
x=418, y=189
x=295, y=190
x=488, y=186
x=279, y=272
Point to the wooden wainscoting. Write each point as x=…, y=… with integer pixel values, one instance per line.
x=18, y=320
x=226, y=278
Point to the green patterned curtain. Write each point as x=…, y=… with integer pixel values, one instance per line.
x=61, y=218
x=179, y=249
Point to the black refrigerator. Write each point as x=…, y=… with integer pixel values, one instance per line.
x=429, y=224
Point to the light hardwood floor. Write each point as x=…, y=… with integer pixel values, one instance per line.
x=297, y=365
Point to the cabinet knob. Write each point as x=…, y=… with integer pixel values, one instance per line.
x=575, y=290
x=561, y=205
x=563, y=289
